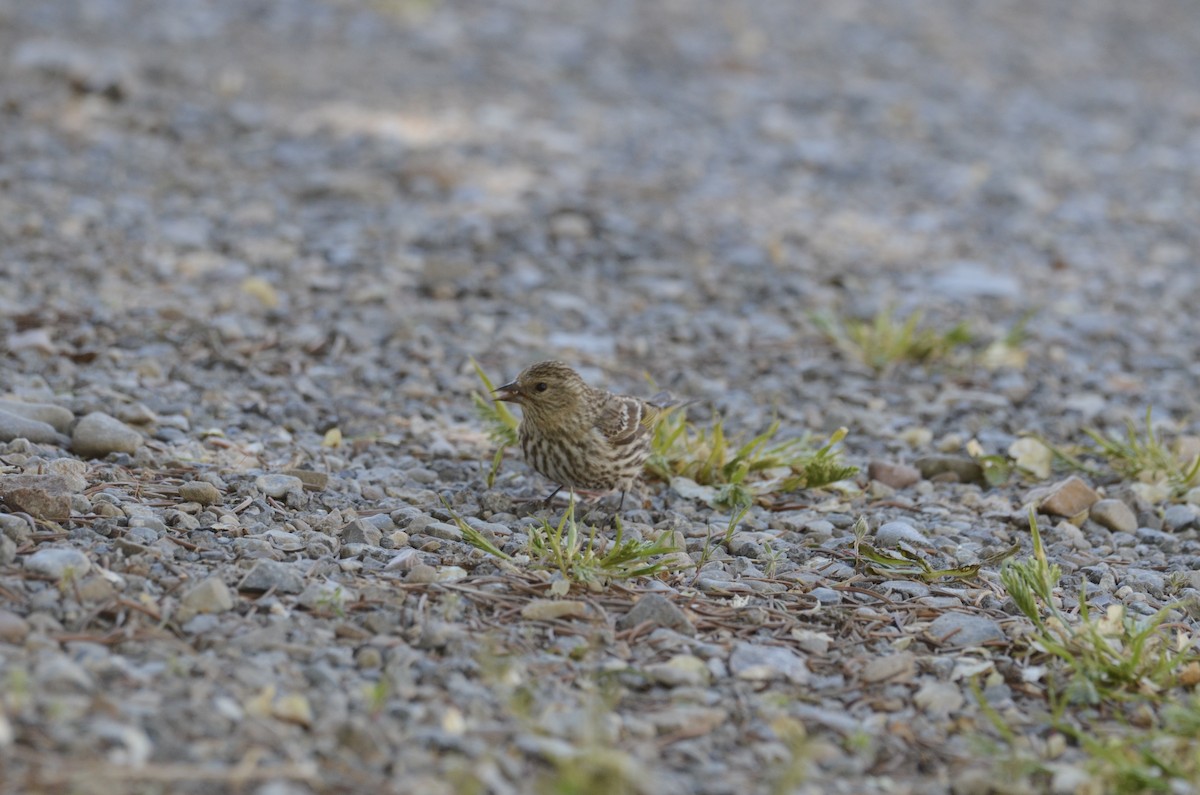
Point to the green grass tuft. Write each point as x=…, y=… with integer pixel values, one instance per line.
x=596, y=563
x=903, y=562
x=1147, y=459
x=742, y=471
x=500, y=422
x=1113, y=658
x=883, y=342
x=579, y=552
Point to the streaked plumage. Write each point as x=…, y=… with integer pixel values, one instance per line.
x=580, y=437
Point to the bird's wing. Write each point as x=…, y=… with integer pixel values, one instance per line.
x=626, y=420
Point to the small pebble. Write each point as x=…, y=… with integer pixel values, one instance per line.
x=15, y=426
x=210, y=595
x=272, y=574
x=964, y=629
x=657, y=611
x=892, y=534
x=200, y=491
x=763, y=663
x=98, y=434
x=1177, y=518
x=278, y=486
x=1068, y=498
x=1115, y=515
x=898, y=476
x=13, y=628
x=58, y=561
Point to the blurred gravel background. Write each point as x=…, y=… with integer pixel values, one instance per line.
x=227, y=228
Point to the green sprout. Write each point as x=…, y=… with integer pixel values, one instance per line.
x=500, y=422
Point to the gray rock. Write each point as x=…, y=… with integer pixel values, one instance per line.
x=1068, y=498
x=898, y=667
x=404, y=560
x=898, y=476
x=201, y=623
x=98, y=434
x=17, y=528
x=443, y=530
x=1145, y=581
x=60, y=673
x=14, y=426
x=143, y=534
x=939, y=699
x=658, y=611
x=683, y=670
x=759, y=663
x=1178, y=518
x=268, y=574
x=964, y=629
x=200, y=491
x=135, y=414
x=969, y=279
x=13, y=628
x=314, y=481
x=73, y=472
x=908, y=588
x=1168, y=542
x=1115, y=515
x=361, y=532
x=211, y=595
x=278, y=486
x=422, y=574
x=41, y=496
x=8, y=550
x=892, y=534
x=826, y=596
x=58, y=561
x=819, y=529
x=327, y=596
x=57, y=417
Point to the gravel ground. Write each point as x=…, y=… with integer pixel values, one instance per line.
x=230, y=228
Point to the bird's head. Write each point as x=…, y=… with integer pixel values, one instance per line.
x=546, y=390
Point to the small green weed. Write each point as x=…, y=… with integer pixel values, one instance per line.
x=1116, y=657
x=376, y=696
x=1146, y=459
x=595, y=770
x=1099, y=668
x=578, y=554
x=742, y=471
x=1120, y=759
x=501, y=424
x=730, y=529
x=587, y=562
x=883, y=342
x=791, y=772
x=332, y=601
x=1126, y=761
x=903, y=562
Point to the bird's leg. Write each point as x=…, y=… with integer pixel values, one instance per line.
x=612, y=520
x=546, y=502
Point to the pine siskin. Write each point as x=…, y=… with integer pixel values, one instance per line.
x=578, y=436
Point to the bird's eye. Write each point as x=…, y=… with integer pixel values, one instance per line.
x=541, y=386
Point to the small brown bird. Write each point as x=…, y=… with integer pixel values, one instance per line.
x=578, y=436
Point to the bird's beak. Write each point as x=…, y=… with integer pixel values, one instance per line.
x=508, y=392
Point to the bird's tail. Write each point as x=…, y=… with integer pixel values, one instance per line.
x=664, y=404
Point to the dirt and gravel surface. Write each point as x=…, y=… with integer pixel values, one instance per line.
x=232, y=231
